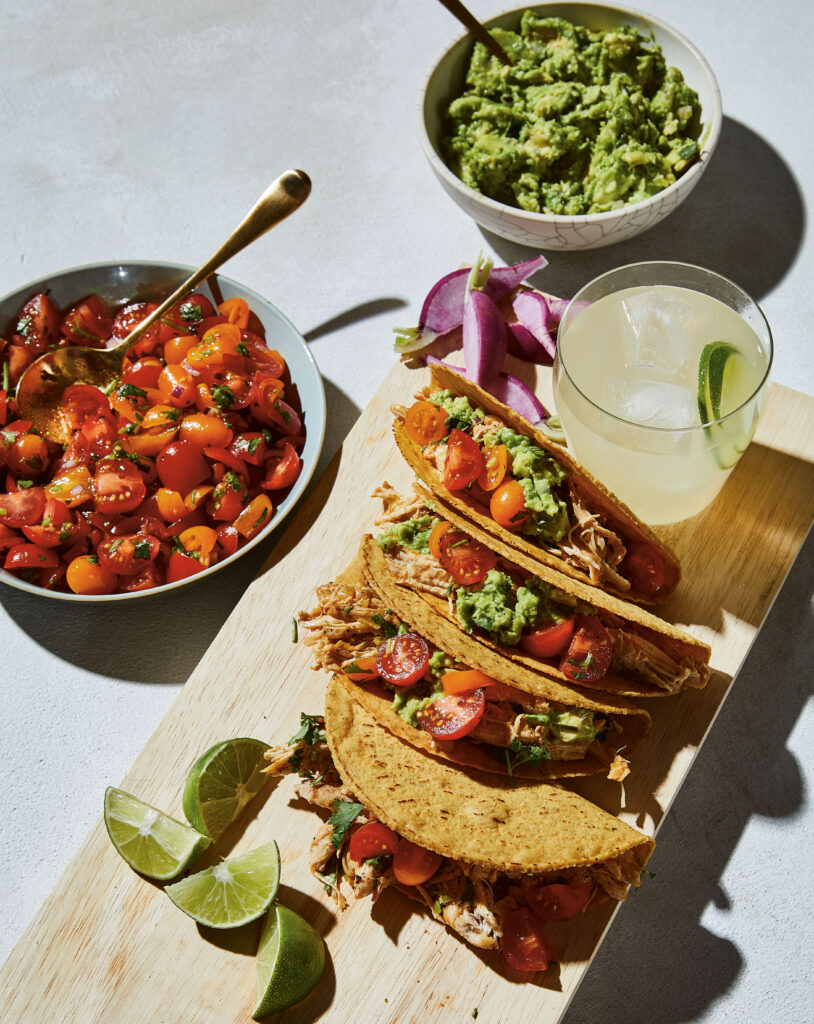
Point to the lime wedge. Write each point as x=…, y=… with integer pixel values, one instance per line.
x=718, y=369
x=290, y=961
x=221, y=782
x=233, y=892
x=151, y=842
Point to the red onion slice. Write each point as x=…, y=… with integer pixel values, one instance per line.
x=513, y=392
x=484, y=339
x=532, y=310
x=523, y=345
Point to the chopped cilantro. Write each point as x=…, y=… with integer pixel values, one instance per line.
x=386, y=627
x=260, y=519
x=223, y=396
x=283, y=412
x=378, y=862
x=116, y=543
x=64, y=532
x=242, y=349
x=583, y=666
x=345, y=812
x=130, y=391
x=141, y=549
x=24, y=325
x=311, y=730
x=254, y=444
x=25, y=484
x=294, y=634
x=520, y=753
x=190, y=312
x=6, y=377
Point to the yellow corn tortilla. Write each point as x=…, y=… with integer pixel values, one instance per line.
x=596, y=497
x=466, y=815
x=664, y=635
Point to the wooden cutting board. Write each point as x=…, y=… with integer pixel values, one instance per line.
x=109, y=947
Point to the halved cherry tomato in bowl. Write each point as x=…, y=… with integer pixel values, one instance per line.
x=22, y=508
x=30, y=556
x=127, y=555
x=413, y=864
x=372, y=840
x=181, y=466
x=465, y=559
x=589, y=654
x=118, y=487
x=464, y=462
x=403, y=659
x=86, y=576
x=547, y=641
x=452, y=718
x=425, y=423
x=283, y=470
x=559, y=901
x=523, y=942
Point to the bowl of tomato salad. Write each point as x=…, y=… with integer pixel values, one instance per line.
x=193, y=457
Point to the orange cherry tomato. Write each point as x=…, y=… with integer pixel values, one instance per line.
x=170, y=504
x=413, y=865
x=236, y=312
x=508, y=506
x=206, y=431
x=86, y=576
x=148, y=444
x=160, y=418
x=425, y=422
x=196, y=497
x=437, y=533
x=175, y=349
x=464, y=462
x=495, y=464
x=28, y=456
x=362, y=670
x=465, y=681
x=200, y=539
x=176, y=386
x=74, y=486
x=254, y=516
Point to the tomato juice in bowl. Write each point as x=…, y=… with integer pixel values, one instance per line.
x=164, y=463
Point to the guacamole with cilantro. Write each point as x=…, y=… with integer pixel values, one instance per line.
x=584, y=122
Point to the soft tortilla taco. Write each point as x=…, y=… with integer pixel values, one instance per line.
x=391, y=649
x=487, y=462
x=490, y=861
x=524, y=610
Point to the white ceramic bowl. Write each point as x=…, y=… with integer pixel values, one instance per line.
x=137, y=281
x=589, y=231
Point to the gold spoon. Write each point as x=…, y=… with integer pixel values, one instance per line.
x=468, y=20
x=39, y=391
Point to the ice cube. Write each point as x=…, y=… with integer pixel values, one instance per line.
x=656, y=331
x=653, y=403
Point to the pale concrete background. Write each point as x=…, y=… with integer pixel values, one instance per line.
x=145, y=130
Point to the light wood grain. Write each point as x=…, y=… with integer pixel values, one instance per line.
x=109, y=947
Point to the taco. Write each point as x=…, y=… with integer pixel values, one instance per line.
x=485, y=460
x=524, y=610
x=490, y=861
x=498, y=717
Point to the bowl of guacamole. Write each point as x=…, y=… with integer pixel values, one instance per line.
x=600, y=128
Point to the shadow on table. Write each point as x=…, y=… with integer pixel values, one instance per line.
x=160, y=638
x=659, y=963
x=365, y=310
x=745, y=219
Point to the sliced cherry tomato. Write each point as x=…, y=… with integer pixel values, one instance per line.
x=372, y=840
x=127, y=555
x=144, y=373
x=284, y=418
x=81, y=402
x=254, y=517
x=149, y=445
x=403, y=659
x=148, y=578
x=495, y=465
x=464, y=462
x=206, y=431
x=559, y=901
x=465, y=681
x=548, y=641
x=175, y=350
x=362, y=670
x=57, y=526
x=436, y=534
x=228, y=498
x=180, y=567
x=181, y=466
x=127, y=319
x=200, y=541
x=227, y=460
x=452, y=718
x=228, y=538
x=74, y=486
x=589, y=654
x=22, y=508
x=425, y=422
x=251, y=447
x=197, y=496
x=28, y=456
x=644, y=568
x=160, y=418
x=523, y=943
x=508, y=506
x=177, y=385
x=30, y=556
x=465, y=559
x=38, y=325
x=88, y=323
x=283, y=470
x=236, y=312
x=413, y=865
x=8, y=537
x=118, y=487
x=86, y=576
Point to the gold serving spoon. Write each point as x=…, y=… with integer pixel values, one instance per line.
x=469, y=21
x=39, y=391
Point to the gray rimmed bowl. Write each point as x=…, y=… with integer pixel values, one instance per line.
x=141, y=281
x=588, y=231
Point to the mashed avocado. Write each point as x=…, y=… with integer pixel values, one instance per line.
x=500, y=613
x=537, y=473
x=412, y=533
x=567, y=726
x=583, y=123
x=460, y=412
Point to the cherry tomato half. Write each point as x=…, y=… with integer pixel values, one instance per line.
x=282, y=471
x=425, y=422
x=128, y=555
x=181, y=466
x=508, y=506
x=465, y=681
x=22, y=508
x=464, y=462
x=118, y=487
x=559, y=901
x=495, y=465
x=362, y=670
x=589, y=654
x=436, y=534
x=372, y=840
x=523, y=944
x=402, y=660
x=465, y=559
x=86, y=576
x=413, y=865
x=548, y=641
x=644, y=568
x=452, y=718
x=30, y=556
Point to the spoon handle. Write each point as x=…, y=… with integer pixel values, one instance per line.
x=468, y=20
x=283, y=196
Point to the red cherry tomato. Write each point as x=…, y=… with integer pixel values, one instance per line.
x=402, y=660
x=464, y=462
x=58, y=525
x=128, y=318
x=118, y=487
x=181, y=466
x=22, y=508
x=81, y=402
x=523, y=944
x=644, y=568
x=413, y=865
x=146, y=579
x=228, y=498
x=589, y=654
x=465, y=559
x=372, y=840
x=453, y=717
x=88, y=323
x=283, y=470
x=28, y=456
x=30, y=556
x=129, y=554
x=38, y=324
x=548, y=641
x=144, y=373
x=251, y=447
x=180, y=567
x=508, y=506
x=559, y=901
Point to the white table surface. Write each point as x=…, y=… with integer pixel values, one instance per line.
x=145, y=130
